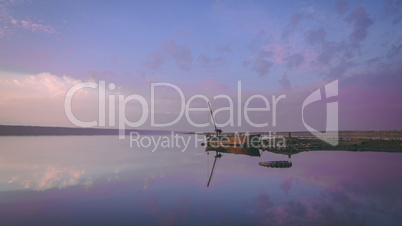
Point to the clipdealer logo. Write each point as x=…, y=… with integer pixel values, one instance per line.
x=331, y=90
x=331, y=130
x=243, y=109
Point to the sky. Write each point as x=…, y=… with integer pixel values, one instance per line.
x=272, y=48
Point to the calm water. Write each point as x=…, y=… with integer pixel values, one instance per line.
x=100, y=179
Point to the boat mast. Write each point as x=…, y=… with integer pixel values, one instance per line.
x=217, y=130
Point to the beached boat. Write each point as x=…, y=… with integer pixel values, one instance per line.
x=227, y=140
x=218, y=139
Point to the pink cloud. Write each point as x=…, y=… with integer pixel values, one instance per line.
x=37, y=27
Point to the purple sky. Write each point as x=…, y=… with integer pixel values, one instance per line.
x=203, y=47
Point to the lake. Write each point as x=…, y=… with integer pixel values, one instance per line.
x=65, y=180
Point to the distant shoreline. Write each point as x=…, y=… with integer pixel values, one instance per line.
x=7, y=130
x=18, y=130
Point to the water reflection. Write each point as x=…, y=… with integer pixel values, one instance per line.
x=276, y=164
x=238, y=150
x=254, y=152
x=77, y=180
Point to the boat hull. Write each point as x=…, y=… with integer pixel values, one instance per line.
x=250, y=141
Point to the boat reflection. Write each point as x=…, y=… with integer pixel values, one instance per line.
x=276, y=164
x=238, y=150
x=254, y=152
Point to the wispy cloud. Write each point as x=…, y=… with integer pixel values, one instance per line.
x=294, y=60
x=180, y=53
x=155, y=61
x=361, y=22
x=44, y=84
x=285, y=83
x=340, y=6
x=36, y=27
x=262, y=63
x=316, y=36
x=209, y=62
x=9, y=22
x=295, y=20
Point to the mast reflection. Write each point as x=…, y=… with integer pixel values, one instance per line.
x=238, y=150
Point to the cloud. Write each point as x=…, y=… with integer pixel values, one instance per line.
x=295, y=20
x=361, y=22
x=262, y=64
x=394, y=50
x=384, y=75
x=181, y=54
x=43, y=84
x=372, y=61
x=155, y=61
x=294, y=60
x=340, y=69
x=392, y=8
x=285, y=83
x=340, y=6
x=5, y=18
x=37, y=27
x=316, y=36
x=341, y=51
x=397, y=20
x=210, y=62
x=8, y=23
x=329, y=50
x=43, y=96
x=258, y=40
